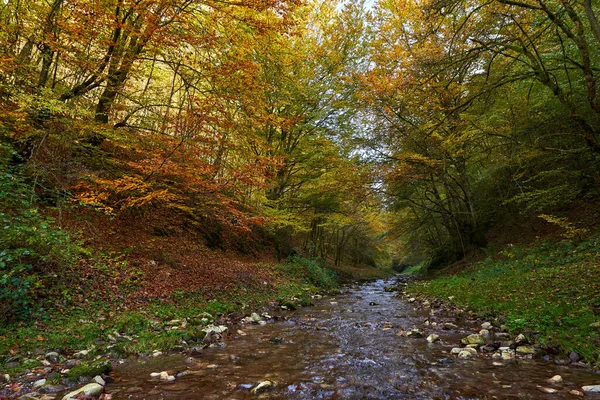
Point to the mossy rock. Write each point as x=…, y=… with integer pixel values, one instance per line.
x=289, y=304
x=87, y=370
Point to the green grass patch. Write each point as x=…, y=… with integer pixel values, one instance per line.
x=551, y=291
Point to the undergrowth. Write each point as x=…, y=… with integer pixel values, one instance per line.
x=551, y=291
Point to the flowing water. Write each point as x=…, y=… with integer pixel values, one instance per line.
x=346, y=347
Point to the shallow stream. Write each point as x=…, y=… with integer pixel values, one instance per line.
x=346, y=347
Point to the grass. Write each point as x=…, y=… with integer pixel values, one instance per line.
x=550, y=291
x=77, y=329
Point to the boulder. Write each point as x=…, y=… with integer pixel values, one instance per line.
x=91, y=389
x=473, y=339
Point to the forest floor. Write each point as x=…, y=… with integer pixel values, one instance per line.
x=163, y=295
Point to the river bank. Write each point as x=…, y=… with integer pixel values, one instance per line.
x=364, y=342
x=71, y=347
x=548, y=291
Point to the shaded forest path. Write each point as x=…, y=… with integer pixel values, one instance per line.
x=347, y=347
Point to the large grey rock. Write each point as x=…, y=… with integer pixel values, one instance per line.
x=591, y=389
x=91, y=389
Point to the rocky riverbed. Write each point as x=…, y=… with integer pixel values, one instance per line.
x=370, y=341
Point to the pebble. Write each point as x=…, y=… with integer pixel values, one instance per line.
x=98, y=379
x=546, y=390
x=39, y=383
x=262, y=386
x=433, y=338
x=556, y=379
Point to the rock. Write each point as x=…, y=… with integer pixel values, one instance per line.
x=473, y=339
x=241, y=333
x=5, y=378
x=486, y=325
x=456, y=350
x=412, y=300
x=255, y=318
x=556, y=379
x=155, y=374
x=98, y=379
x=29, y=396
x=484, y=332
x=465, y=355
x=450, y=326
x=71, y=363
x=488, y=349
x=51, y=389
x=39, y=383
x=81, y=354
x=52, y=357
x=508, y=355
x=576, y=393
x=595, y=325
x=415, y=333
x=218, y=329
x=164, y=376
x=546, y=390
x=521, y=339
x=591, y=389
x=262, y=386
x=433, y=338
x=574, y=356
x=91, y=389
x=525, y=349
x=90, y=369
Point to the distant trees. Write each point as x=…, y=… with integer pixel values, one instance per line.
x=469, y=101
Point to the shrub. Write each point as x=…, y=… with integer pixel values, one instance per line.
x=31, y=245
x=309, y=271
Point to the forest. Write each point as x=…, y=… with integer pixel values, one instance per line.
x=153, y=151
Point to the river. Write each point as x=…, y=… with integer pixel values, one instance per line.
x=347, y=347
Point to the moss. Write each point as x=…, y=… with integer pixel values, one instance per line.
x=87, y=370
